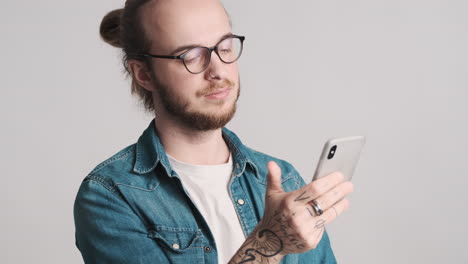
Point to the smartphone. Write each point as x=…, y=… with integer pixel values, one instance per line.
x=340, y=154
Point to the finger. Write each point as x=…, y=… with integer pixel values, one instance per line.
x=273, y=179
x=334, y=195
x=336, y=210
x=318, y=187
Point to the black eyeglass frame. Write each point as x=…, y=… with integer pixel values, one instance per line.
x=210, y=50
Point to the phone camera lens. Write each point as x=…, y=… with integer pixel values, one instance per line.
x=331, y=154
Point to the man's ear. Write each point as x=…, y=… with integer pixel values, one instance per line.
x=141, y=74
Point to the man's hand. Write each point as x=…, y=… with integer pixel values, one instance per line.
x=290, y=223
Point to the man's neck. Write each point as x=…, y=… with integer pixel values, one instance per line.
x=191, y=146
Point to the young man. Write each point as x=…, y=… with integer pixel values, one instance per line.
x=189, y=191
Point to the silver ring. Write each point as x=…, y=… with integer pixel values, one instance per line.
x=316, y=207
x=212, y=76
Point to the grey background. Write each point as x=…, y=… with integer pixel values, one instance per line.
x=395, y=71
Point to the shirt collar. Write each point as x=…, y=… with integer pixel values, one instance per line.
x=150, y=152
x=241, y=155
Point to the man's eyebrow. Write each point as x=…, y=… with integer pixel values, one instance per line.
x=187, y=47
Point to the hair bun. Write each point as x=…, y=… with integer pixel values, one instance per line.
x=110, y=28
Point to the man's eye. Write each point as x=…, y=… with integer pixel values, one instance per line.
x=191, y=60
x=226, y=50
x=195, y=55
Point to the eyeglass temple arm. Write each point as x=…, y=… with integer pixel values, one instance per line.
x=162, y=56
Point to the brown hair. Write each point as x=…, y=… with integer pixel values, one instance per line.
x=122, y=28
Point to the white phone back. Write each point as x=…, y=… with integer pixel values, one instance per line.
x=345, y=159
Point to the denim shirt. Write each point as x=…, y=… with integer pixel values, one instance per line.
x=132, y=207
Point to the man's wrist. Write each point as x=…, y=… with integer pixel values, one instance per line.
x=261, y=246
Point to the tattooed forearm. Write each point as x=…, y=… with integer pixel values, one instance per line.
x=263, y=246
x=268, y=245
x=275, y=237
x=286, y=232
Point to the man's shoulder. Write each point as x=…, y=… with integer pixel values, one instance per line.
x=116, y=169
x=125, y=156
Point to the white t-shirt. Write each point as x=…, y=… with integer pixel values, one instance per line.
x=207, y=186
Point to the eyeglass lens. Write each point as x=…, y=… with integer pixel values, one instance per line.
x=198, y=59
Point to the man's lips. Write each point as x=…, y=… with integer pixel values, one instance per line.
x=219, y=94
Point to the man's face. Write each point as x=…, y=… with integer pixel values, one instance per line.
x=197, y=101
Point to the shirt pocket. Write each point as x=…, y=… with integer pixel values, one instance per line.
x=179, y=244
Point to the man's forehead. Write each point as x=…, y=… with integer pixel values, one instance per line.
x=173, y=23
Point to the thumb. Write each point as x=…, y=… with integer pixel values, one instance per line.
x=273, y=179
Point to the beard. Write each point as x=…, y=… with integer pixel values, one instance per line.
x=178, y=107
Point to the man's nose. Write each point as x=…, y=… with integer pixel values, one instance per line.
x=216, y=68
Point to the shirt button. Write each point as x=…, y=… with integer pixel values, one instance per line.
x=175, y=246
x=207, y=249
x=240, y=201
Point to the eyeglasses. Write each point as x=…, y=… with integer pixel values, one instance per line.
x=197, y=59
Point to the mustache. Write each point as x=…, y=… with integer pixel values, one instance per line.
x=216, y=86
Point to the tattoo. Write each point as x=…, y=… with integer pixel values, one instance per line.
x=310, y=212
x=285, y=230
x=264, y=246
x=300, y=197
x=267, y=245
x=320, y=224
